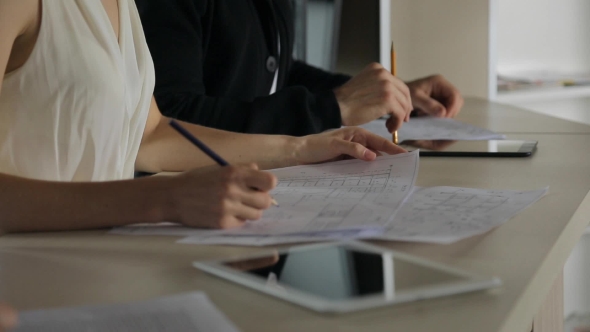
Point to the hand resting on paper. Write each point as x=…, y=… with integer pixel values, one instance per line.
x=343, y=143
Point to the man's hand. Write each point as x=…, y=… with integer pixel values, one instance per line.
x=435, y=96
x=371, y=94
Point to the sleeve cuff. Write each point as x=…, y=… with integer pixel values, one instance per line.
x=327, y=109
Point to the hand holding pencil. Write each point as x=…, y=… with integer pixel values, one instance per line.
x=372, y=94
x=204, y=148
x=214, y=197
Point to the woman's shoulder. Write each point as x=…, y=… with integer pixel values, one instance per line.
x=18, y=16
x=19, y=27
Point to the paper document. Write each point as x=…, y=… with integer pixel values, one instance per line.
x=431, y=128
x=355, y=199
x=349, y=194
x=449, y=214
x=190, y=312
x=343, y=195
x=267, y=240
x=434, y=215
x=161, y=229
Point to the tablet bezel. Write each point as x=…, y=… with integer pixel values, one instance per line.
x=527, y=148
x=473, y=283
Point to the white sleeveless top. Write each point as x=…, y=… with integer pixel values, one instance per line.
x=77, y=109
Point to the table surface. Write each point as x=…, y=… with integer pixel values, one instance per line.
x=574, y=109
x=527, y=253
x=511, y=119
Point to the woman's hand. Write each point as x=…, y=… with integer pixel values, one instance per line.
x=219, y=197
x=349, y=142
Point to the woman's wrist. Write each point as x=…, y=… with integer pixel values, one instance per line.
x=279, y=151
x=295, y=147
x=156, y=198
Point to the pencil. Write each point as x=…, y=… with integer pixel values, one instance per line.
x=394, y=73
x=180, y=129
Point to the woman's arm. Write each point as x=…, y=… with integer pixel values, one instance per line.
x=28, y=205
x=163, y=149
x=208, y=198
x=215, y=197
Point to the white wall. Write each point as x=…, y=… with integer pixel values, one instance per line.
x=450, y=37
x=544, y=33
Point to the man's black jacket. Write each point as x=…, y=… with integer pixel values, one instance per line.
x=214, y=67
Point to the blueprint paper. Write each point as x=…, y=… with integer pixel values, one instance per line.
x=351, y=194
x=356, y=199
x=450, y=214
x=440, y=215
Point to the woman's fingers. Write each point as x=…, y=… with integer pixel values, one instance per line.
x=245, y=212
x=378, y=143
x=256, y=199
x=262, y=181
x=363, y=143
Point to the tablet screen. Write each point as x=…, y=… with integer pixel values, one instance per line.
x=342, y=272
x=489, y=147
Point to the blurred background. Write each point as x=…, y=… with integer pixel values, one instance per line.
x=534, y=54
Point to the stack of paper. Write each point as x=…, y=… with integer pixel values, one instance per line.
x=356, y=199
x=190, y=312
x=431, y=128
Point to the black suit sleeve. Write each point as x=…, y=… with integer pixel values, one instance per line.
x=314, y=79
x=174, y=34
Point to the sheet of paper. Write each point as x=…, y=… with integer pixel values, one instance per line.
x=350, y=194
x=431, y=128
x=161, y=229
x=433, y=215
x=267, y=240
x=449, y=214
x=189, y=312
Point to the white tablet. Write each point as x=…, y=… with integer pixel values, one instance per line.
x=346, y=276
